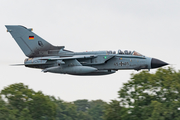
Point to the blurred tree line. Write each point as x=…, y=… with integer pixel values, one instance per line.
x=18, y=102
x=145, y=96
x=148, y=96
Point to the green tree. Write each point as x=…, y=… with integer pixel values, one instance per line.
x=113, y=111
x=96, y=109
x=152, y=96
x=65, y=110
x=25, y=115
x=27, y=104
x=5, y=112
x=91, y=110
x=84, y=116
x=82, y=105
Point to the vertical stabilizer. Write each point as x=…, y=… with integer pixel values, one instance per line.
x=31, y=44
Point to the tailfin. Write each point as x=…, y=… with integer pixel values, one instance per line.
x=31, y=44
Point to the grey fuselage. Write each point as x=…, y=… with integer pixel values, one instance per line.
x=55, y=59
x=104, y=62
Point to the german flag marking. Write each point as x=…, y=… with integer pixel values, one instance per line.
x=31, y=37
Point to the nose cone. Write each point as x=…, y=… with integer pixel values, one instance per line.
x=155, y=63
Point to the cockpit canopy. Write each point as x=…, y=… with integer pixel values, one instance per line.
x=136, y=53
x=125, y=52
x=111, y=52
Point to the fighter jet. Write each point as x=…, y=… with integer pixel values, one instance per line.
x=56, y=59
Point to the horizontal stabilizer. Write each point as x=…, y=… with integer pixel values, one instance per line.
x=31, y=64
x=17, y=65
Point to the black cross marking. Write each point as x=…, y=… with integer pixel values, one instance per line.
x=121, y=63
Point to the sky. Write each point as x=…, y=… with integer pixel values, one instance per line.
x=150, y=27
